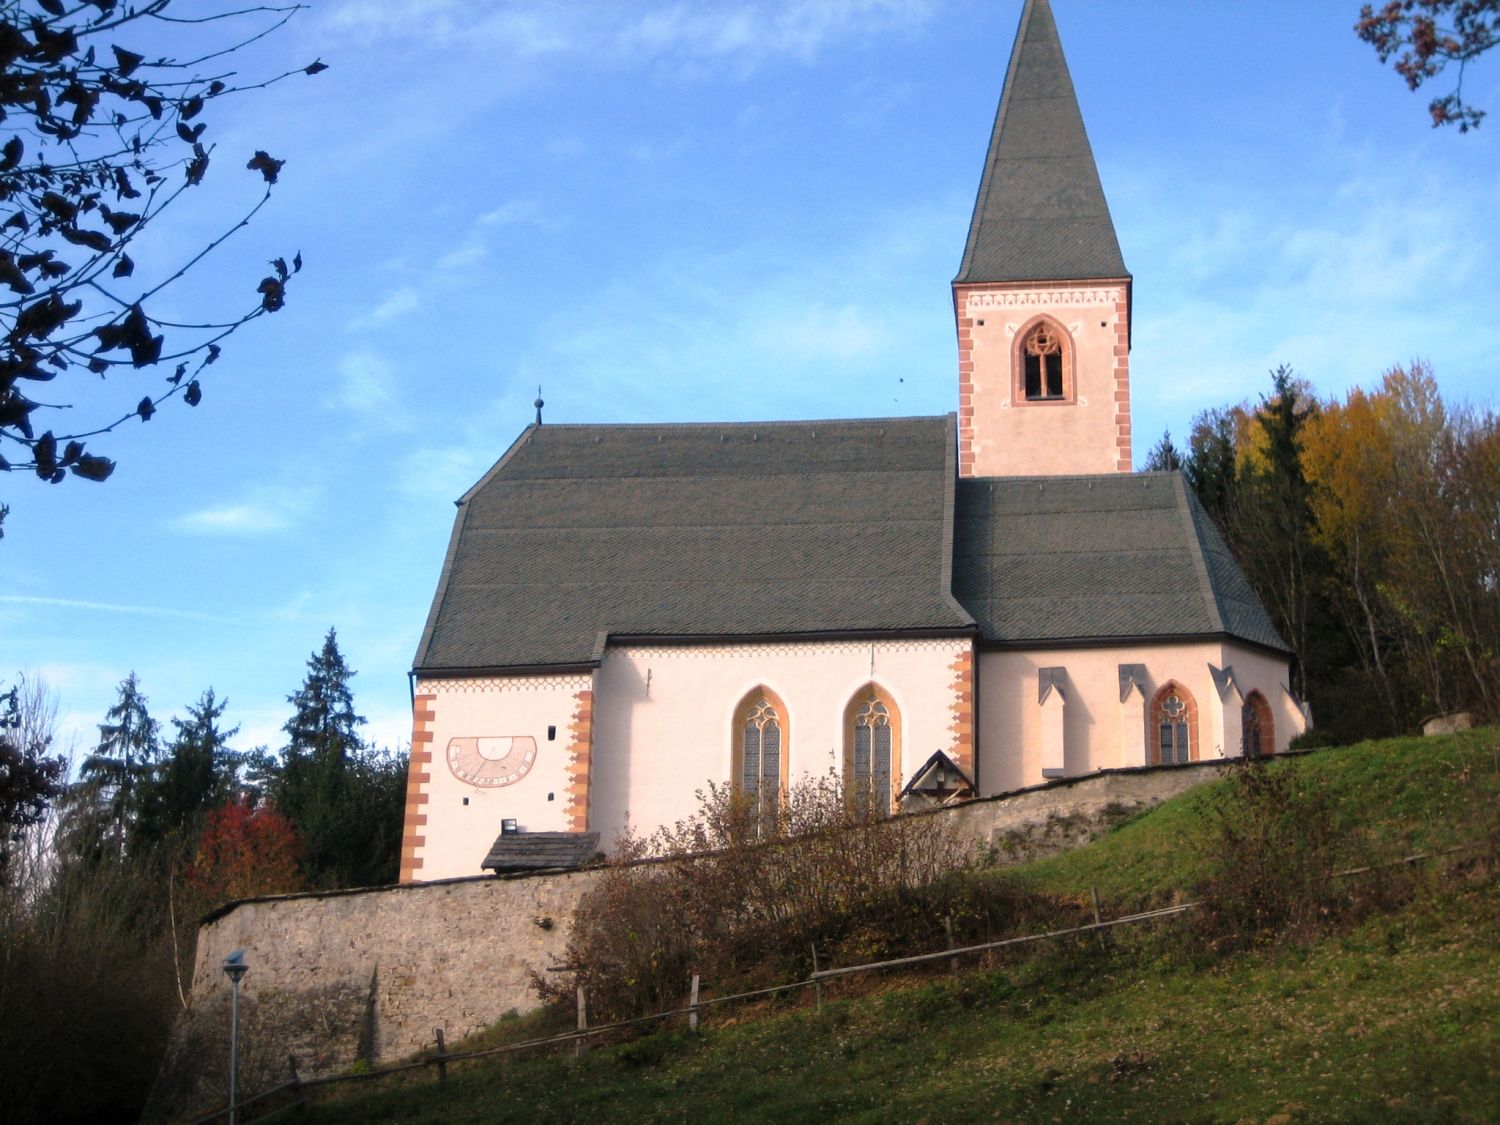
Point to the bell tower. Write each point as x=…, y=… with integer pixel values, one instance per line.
x=1042, y=296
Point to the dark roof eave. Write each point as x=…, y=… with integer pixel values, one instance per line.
x=433, y=673
x=694, y=639
x=781, y=638
x=1018, y=644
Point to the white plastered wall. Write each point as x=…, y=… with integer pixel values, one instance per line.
x=1012, y=725
x=664, y=715
x=463, y=819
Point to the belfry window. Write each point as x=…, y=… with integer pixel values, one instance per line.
x=1042, y=360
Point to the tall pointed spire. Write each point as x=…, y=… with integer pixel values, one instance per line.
x=1040, y=214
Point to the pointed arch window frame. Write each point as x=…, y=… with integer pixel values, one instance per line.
x=1157, y=715
x=753, y=706
x=1263, y=728
x=873, y=701
x=1069, y=364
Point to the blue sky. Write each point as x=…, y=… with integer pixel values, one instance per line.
x=656, y=210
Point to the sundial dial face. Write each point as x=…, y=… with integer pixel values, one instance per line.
x=491, y=761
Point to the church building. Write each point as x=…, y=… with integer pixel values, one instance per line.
x=934, y=608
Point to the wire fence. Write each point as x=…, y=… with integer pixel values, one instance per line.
x=440, y=1059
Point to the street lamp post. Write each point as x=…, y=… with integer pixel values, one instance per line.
x=234, y=969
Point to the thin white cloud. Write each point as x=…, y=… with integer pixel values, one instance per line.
x=264, y=511
x=446, y=472
x=756, y=31
x=111, y=607
x=392, y=306
x=519, y=30
x=466, y=254
x=512, y=211
x=367, y=384
x=816, y=332
x=746, y=33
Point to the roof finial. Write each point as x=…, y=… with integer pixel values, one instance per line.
x=539, y=404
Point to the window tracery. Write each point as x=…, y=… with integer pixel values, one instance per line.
x=1043, y=362
x=760, y=751
x=872, y=752
x=1173, y=723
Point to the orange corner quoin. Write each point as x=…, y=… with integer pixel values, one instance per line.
x=962, y=708
x=418, y=774
x=580, y=761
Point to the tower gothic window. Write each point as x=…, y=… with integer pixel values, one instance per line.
x=1042, y=360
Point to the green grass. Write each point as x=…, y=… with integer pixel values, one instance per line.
x=1394, y=1019
x=1399, y=795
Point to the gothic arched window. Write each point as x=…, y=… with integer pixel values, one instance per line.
x=1257, y=728
x=872, y=749
x=760, y=750
x=1174, y=726
x=1044, y=363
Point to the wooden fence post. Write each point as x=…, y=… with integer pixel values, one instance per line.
x=581, y=1045
x=441, y=1058
x=1098, y=918
x=693, y=1005
x=948, y=929
x=817, y=988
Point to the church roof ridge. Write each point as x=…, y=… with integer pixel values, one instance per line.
x=769, y=423
x=1040, y=213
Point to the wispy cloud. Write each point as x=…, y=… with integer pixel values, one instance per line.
x=512, y=211
x=747, y=33
x=815, y=332
x=367, y=384
x=1361, y=277
x=264, y=511
x=447, y=472
x=393, y=306
x=755, y=31
x=113, y=607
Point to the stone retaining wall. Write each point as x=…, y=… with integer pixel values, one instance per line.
x=336, y=978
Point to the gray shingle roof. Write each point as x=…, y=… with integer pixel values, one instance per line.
x=1040, y=214
x=1089, y=558
x=697, y=531
x=540, y=851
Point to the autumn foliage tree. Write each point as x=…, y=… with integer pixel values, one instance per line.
x=1424, y=37
x=101, y=133
x=1369, y=527
x=245, y=850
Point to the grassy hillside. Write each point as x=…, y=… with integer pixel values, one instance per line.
x=1390, y=1012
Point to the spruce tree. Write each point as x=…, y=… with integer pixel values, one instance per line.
x=106, y=801
x=198, y=773
x=328, y=785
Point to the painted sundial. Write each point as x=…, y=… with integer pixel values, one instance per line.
x=493, y=761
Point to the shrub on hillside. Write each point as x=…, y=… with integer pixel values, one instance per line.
x=86, y=998
x=741, y=899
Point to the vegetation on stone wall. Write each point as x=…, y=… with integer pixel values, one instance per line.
x=743, y=901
